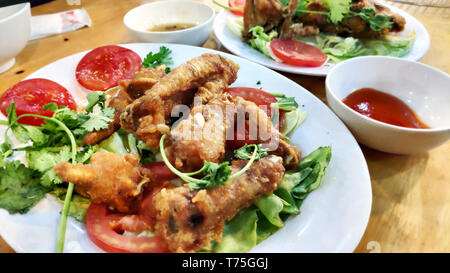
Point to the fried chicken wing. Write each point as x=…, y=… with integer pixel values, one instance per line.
x=147, y=116
x=262, y=130
x=272, y=15
x=187, y=220
x=128, y=91
x=109, y=178
x=202, y=135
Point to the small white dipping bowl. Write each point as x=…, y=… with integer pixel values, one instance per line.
x=14, y=33
x=144, y=17
x=424, y=89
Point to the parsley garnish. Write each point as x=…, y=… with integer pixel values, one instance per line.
x=215, y=174
x=246, y=152
x=157, y=59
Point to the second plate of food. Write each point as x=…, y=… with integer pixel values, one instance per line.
x=411, y=43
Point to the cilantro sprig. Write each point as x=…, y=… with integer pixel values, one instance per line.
x=215, y=174
x=157, y=59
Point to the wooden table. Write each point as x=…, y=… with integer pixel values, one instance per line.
x=411, y=194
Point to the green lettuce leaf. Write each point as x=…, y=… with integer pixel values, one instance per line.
x=20, y=187
x=340, y=49
x=78, y=205
x=239, y=235
x=261, y=40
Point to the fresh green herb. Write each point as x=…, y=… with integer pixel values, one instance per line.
x=246, y=152
x=99, y=120
x=214, y=174
x=258, y=82
x=157, y=59
x=20, y=187
x=36, y=135
x=287, y=104
x=377, y=22
x=43, y=161
x=167, y=70
x=338, y=9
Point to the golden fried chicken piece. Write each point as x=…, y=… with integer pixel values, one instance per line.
x=109, y=178
x=262, y=130
x=353, y=26
x=187, y=220
x=149, y=116
x=201, y=136
x=128, y=91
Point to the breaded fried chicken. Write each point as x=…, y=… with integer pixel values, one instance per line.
x=267, y=134
x=201, y=136
x=109, y=178
x=187, y=220
x=149, y=116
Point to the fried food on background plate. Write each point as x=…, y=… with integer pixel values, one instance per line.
x=272, y=15
x=187, y=220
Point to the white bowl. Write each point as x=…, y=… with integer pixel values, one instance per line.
x=144, y=17
x=424, y=89
x=14, y=33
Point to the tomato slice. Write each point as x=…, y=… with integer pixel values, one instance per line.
x=31, y=95
x=297, y=53
x=260, y=98
x=103, y=67
x=100, y=230
x=237, y=4
x=160, y=171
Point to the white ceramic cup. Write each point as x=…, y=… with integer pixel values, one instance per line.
x=14, y=33
x=144, y=17
x=423, y=88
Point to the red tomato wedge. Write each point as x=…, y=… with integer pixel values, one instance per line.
x=103, y=67
x=260, y=98
x=297, y=53
x=99, y=228
x=160, y=171
x=237, y=4
x=31, y=95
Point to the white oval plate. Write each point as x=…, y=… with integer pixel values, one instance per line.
x=238, y=47
x=333, y=217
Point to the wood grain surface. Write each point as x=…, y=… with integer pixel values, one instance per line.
x=411, y=194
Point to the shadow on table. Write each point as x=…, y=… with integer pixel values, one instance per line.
x=392, y=176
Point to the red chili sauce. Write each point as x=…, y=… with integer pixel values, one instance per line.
x=383, y=107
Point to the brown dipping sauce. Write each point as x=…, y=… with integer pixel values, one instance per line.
x=171, y=27
x=383, y=107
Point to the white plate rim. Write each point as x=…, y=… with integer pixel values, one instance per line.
x=419, y=49
x=349, y=246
